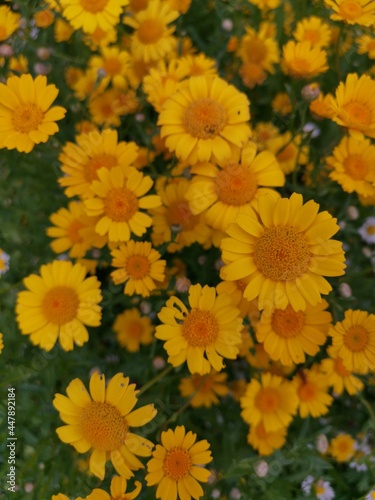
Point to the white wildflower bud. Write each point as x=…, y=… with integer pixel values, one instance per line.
x=367, y=252
x=322, y=443
x=6, y=50
x=345, y=290
x=218, y=264
x=227, y=24
x=29, y=487
x=235, y=494
x=352, y=212
x=43, y=53
x=158, y=363
x=140, y=117
x=310, y=92
x=215, y=493
x=42, y=69
x=182, y=284
x=261, y=468
x=145, y=307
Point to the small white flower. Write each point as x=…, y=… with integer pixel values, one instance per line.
x=261, y=468
x=4, y=262
x=227, y=24
x=323, y=490
x=345, y=290
x=370, y=495
x=367, y=230
x=306, y=484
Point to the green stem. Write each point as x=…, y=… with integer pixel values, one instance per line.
x=369, y=408
x=153, y=381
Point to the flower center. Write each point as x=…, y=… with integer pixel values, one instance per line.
x=179, y=214
x=307, y=391
x=282, y=254
x=370, y=230
x=138, y=267
x=94, y=6
x=203, y=383
x=137, y=5
x=120, y=204
x=358, y=113
x=27, y=118
x=256, y=51
x=112, y=66
x=134, y=329
x=204, y=118
x=311, y=36
x=177, y=463
x=350, y=9
x=200, y=328
x=356, y=338
x=150, y=31
x=300, y=66
x=287, y=323
x=355, y=167
x=268, y=400
x=235, y=185
x=98, y=161
x=340, y=368
x=319, y=490
x=60, y=305
x=103, y=426
x=74, y=232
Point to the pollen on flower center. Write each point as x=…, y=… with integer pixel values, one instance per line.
x=356, y=338
x=27, y=118
x=112, y=66
x=73, y=232
x=120, y=204
x=350, y=9
x=200, y=328
x=311, y=36
x=358, y=113
x=256, y=51
x=134, y=329
x=103, y=426
x=355, y=167
x=282, y=254
x=287, y=323
x=307, y=391
x=98, y=161
x=267, y=400
x=60, y=305
x=177, y=463
x=204, y=118
x=235, y=185
x=94, y=6
x=150, y=31
x=138, y=266
x=301, y=65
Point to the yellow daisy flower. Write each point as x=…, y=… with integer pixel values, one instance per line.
x=288, y=335
x=204, y=389
x=338, y=377
x=223, y=193
x=9, y=22
x=118, y=491
x=58, y=304
x=210, y=327
x=101, y=422
x=259, y=48
x=152, y=38
x=288, y=151
x=106, y=108
x=235, y=290
x=61, y=496
x=80, y=161
x=266, y=442
x=176, y=465
x=26, y=117
x=266, y=5
x=62, y=30
x=117, y=198
x=342, y=447
x=89, y=14
x=312, y=392
x=272, y=402
x=282, y=104
x=197, y=65
x=353, y=166
x=285, y=249
x=100, y=38
x=113, y=64
x=205, y=120
x=1, y=342
x=353, y=339
x=361, y=12
x=354, y=105
x=314, y=30
x=366, y=45
x=43, y=18
x=303, y=59
x=140, y=266
x=132, y=330
x=321, y=107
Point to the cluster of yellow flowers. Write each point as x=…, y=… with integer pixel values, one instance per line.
x=209, y=172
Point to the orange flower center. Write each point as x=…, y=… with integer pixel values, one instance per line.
x=261, y=431
x=204, y=118
x=138, y=267
x=98, y=161
x=255, y=50
x=340, y=368
x=235, y=185
x=282, y=254
x=200, y=328
x=371, y=45
x=358, y=113
x=307, y=391
x=300, y=66
x=268, y=400
x=370, y=230
x=134, y=329
x=355, y=167
x=137, y=5
x=179, y=214
x=120, y=204
x=150, y=31
x=356, y=338
x=112, y=66
x=103, y=426
x=94, y=6
x=74, y=232
x=3, y=33
x=287, y=323
x=319, y=490
x=27, y=118
x=60, y=305
x=350, y=10
x=311, y=36
x=203, y=383
x=177, y=463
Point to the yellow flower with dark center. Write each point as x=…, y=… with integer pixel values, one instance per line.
x=312, y=391
x=361, y=12
x=314, y=30
x=132, y=329
x=90, y=14
x=58, y=304
x=9, y=22
x=113, y=64
x=353, y=166
x=303, y=59
x=211, y=327
x=117, y=197
x=204, y=389
x=353, y=339
x=139, y=266
x=338, y=377
x=152, y=38
x=197, y=65
x=366, y=45
x=266, y=442
x=284, y=248
x=101, y=422
x=288, y=335
x=354, y=105
x=259, y=48
x=342, y=447
x=205, y=120
x=176, y=465
x=272, y=402
x=26, y=117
